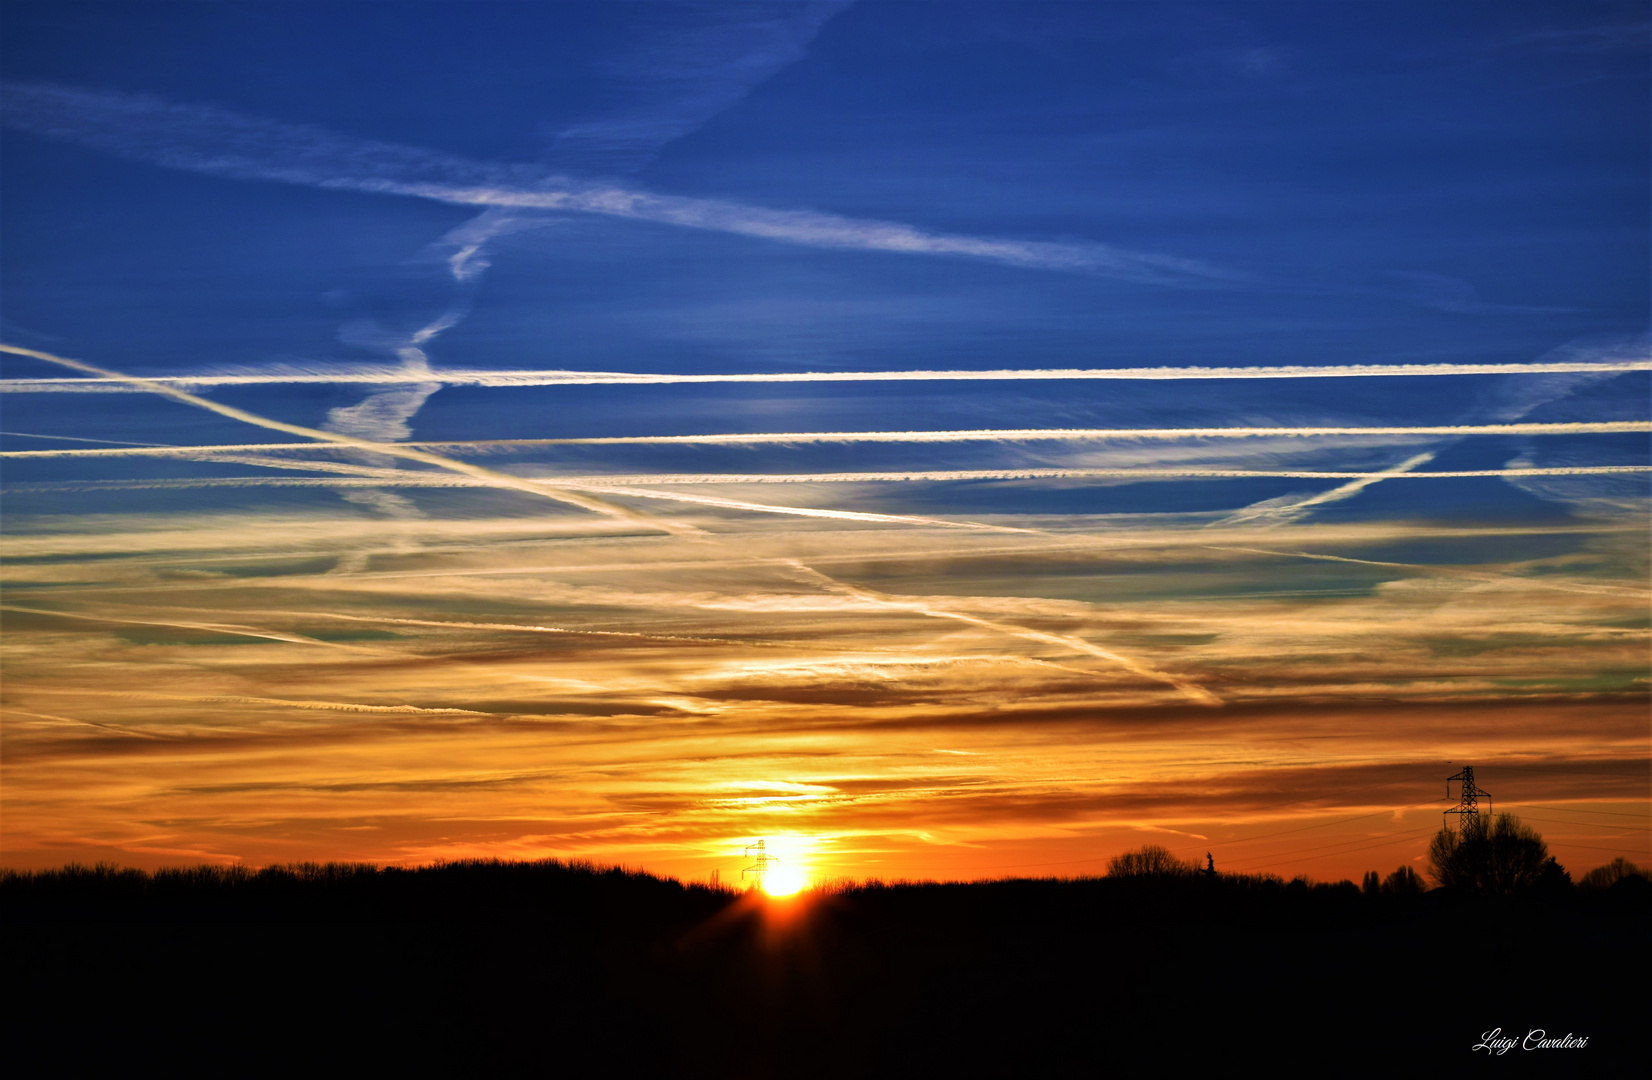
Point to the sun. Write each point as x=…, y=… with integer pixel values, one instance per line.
x=783, y=882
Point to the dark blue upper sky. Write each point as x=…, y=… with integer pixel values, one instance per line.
x=1242, y=184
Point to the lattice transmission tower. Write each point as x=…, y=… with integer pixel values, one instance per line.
x=1468, y=800
x=763, y=861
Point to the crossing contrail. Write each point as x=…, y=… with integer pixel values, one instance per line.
x=401, y=450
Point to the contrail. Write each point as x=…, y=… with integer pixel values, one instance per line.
x=12, y=709
x=1451, y=571
x=1292, y=507
x=515, y=483
x=523, y=628
x=77, y=438
x=244, y=699
x=217, y=628
x=218, y=142
x=398, y=376
x=1069, y=434
x=401, y=450
x=424, y=480
x=141, y=450
x=768, y=508
x=1085, y=474
x=1066, y=641
x=411, y=450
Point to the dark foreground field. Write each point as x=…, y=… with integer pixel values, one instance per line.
x=484, y=968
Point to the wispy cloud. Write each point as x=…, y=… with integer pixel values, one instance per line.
x=207, y=139
x=690, y=63
x=1065, y=706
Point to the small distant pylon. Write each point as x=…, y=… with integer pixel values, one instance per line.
x=1468, y=801
x=761, y=866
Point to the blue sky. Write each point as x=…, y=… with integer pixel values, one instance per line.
x=378, y=221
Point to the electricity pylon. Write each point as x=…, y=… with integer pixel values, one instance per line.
x=763, y=861
x=1468, y=802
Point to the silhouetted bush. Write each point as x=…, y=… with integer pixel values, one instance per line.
x=1489, y=856
x=1150, y=861
x=1604, y=877
x=1404, y=881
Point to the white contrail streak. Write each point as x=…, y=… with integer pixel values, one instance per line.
x=1292, y=507
x=505, y=480
x=243, y=699
x=523, y=628
x=1188, y=688
x=12, y=710
x=140, y=450
x=1072, y=434
x=76, y=438
x=222, y=143
x=1449, y=571
x=401, y=450
x=398, y=376
x=797, y=511
x=422, y=480
x=412, y=450
x=1085, y=474
x=216, y=628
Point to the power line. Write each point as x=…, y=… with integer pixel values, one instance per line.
x=1555, y=821
x=1264, y=859
x=1408, y=834
x=1321, y=825
x=1595, y=847
x=1399, y=839
x=1313, y=798
x=1575, y=810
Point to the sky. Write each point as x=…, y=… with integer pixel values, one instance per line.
x=942, y=440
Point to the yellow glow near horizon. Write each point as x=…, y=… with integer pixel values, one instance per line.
x=538, y=688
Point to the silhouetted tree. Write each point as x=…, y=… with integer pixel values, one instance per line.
x=1404, y=881
x=1552, y=880
x=1149, y=861
x=1496, y=856
x=1371, y=884
x=1604, y=877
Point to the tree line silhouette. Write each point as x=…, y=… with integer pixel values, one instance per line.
x=1490, y=855
x=481, y=967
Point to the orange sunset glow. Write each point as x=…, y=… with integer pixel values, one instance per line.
x=878, y=702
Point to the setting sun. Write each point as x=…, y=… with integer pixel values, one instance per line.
x=783, y=882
